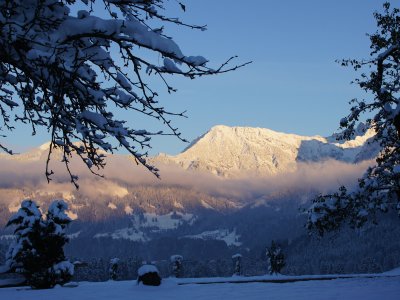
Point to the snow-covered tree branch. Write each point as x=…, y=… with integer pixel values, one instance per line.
x=379, y=189
x=68, y=72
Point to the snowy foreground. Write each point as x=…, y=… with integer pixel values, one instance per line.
x=385, y=286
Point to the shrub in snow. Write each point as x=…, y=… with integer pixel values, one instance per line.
x=65, y=70
x=37, y=251
x=177, y=265
x=237, y=264
x=379, y=188
x=276, y=259
x=149, y=275
x=113, y=268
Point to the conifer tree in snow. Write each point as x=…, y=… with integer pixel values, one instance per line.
x=379, y=188
x=113, y=270
x=237, y=264
x=177, y=265
x=64, y=70
x=37, y=251
x=276, y=259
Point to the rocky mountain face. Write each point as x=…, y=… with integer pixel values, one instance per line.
x=237, y=151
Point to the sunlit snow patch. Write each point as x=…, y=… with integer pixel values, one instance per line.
x=72, y=215
x=128, y=210
x=7, y=237
x=74, y=235
x=205, y=204
x=13, y=207
x=112, y=206
x=162, y=222
x=230, y=238
x=125, y=233
x=150, y=222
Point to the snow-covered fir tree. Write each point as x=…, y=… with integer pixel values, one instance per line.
x=237, y=264
x=379, y=188
x=113, y=270
x=63, y=70
x=275, y=258
x=37, y=251
x=177, y=265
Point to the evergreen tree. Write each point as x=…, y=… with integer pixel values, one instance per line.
x=379, y=188
x=237, y=264
x=177, y=266
x=37, y=252
x=114, y=262
x=276, y=259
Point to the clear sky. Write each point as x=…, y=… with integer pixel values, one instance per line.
x=293, y=84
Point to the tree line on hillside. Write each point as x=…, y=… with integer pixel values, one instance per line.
x=37, y=252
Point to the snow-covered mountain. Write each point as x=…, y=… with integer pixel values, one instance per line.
x=231, y=151
x=188, y=207
x=242, y=151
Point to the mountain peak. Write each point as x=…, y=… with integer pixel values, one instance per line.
x=44, y=146
x=241, y=151
x=230, y=151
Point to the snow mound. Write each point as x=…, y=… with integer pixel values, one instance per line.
x=387, y=288
x=147, y=269
x=394, y=272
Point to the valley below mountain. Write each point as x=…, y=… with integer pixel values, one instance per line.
x=233, y=190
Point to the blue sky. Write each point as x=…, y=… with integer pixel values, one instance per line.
x=293, y=84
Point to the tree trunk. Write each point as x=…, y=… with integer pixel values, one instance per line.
x=396, y=123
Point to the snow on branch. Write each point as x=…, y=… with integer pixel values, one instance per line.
x=65, y=72
x=379, y=189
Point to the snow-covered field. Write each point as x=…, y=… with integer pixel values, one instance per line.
x=382, y=288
